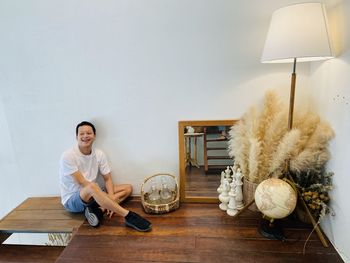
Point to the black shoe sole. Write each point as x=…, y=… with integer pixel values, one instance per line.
x=138, y=229
x=91, y=218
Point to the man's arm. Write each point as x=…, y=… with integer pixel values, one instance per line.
x=110, y=190
x=80, y=178
x=105, y=171
x=109, y=185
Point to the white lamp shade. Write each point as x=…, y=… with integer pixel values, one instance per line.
x=298, y=31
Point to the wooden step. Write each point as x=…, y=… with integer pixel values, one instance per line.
x=217, y=140
x=216, y=148
x=218, y=157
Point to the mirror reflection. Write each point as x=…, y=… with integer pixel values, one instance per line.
x=203, y=155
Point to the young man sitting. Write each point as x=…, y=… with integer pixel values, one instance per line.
x=79, y=169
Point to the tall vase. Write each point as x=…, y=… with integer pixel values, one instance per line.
x=248, y=193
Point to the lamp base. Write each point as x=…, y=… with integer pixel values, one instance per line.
x=271, y=230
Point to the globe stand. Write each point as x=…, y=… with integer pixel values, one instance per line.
x=315, y=225
x=271, y=230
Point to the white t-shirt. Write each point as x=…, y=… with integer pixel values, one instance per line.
x=90, y=166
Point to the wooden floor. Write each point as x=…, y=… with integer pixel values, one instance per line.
x=37, y=254
x=194, y=233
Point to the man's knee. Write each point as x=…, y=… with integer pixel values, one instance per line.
x=89, y=191
x=129, y=189
x=92, y=188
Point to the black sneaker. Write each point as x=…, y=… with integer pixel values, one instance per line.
x=137, y=222
x=93, y=214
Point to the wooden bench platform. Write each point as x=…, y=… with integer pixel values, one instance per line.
x=39, y=215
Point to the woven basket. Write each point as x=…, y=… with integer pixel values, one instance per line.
x=160, y=208
x=248, y=193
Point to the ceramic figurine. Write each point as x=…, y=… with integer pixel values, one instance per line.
x=232, y=206
x=224, y=197
x=239, y=193
x=234, y=169
x=219, y=190
x=228, y=174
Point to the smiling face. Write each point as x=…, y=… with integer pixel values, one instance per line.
x=85, y=138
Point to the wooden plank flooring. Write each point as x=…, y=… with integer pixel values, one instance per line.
x=194, y=233
x=35, y=254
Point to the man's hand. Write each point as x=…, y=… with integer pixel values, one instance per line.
x=110, y=213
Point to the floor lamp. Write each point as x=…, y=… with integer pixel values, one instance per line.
x=298, y=33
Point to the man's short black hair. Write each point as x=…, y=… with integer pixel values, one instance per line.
x=85, y=123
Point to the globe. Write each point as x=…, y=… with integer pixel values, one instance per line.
x=275, y=198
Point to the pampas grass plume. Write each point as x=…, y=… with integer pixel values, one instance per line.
x=239, y=135
x=273, y=135
x=315, y=154
x=262, y=145
x=272, y=106
x=254, y=159
x=284, y=149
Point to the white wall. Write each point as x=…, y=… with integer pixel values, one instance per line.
x=135, y=68
x=330, y=82
x=10, y=178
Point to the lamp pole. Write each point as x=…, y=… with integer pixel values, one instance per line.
x=290, y=126
x=291, y=97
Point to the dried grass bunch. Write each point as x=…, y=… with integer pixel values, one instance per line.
x=314, y=188
x=262, y=146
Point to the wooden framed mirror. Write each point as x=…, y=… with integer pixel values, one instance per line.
x=202, y=156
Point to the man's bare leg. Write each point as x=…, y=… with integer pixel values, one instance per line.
x=92, y=190
x=121, y=192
